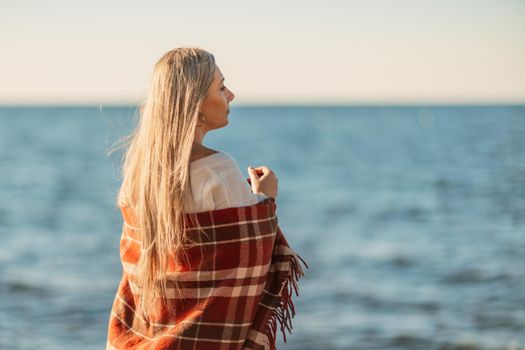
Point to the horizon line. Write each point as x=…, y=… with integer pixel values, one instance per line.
x=279, y=104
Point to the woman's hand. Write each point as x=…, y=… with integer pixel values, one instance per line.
x=263, y=180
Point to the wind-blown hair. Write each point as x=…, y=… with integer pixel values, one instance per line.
x=155, y=167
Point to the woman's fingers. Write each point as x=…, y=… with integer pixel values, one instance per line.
x=263, y=169
x=253, y=173
x=262, y=172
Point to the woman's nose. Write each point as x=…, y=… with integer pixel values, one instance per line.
x=232, y=96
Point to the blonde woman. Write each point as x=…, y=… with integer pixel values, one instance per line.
x=200, y=244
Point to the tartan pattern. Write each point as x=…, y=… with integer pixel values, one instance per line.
x=235, y=289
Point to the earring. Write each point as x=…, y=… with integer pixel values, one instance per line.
x=203, y=121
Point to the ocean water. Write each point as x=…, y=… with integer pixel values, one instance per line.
x=412, y=221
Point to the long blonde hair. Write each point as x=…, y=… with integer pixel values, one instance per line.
x=155, y=167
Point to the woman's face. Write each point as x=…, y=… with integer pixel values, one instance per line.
x=215, y=106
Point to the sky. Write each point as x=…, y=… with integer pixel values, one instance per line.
x=270, y=52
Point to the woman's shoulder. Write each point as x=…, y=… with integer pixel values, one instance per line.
x=200, y=151
x=212, y=159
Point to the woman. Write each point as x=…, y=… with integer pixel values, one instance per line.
x=179, y=199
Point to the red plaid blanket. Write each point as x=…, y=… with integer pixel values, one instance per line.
x=235, y=289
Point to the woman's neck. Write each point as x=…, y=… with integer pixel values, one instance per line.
x=198, y=151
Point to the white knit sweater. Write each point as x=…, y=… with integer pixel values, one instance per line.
x=217, y=183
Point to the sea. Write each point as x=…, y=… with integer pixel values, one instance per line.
x=411, y=220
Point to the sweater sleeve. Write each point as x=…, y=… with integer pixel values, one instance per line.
x=219, y=184
x=230, y=189
x=204, y=182
x=260, y=196
x=219, y=193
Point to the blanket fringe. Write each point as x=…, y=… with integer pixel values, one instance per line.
x=285, y=310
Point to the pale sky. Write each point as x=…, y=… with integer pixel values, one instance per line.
x=270, y=52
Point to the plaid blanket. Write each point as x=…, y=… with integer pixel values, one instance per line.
x=235, y=290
